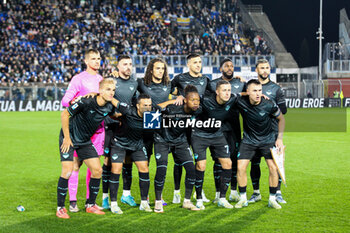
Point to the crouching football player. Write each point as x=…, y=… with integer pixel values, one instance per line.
x=79, y=123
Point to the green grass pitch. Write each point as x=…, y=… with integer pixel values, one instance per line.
x=317, y=171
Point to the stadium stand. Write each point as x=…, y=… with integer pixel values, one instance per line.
x=42, y=41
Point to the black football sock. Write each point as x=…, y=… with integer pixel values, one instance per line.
x=106, y=173
x=199, y=183
x=114, y=186
x=94, y=187
x=144, y=185
x=62, y=188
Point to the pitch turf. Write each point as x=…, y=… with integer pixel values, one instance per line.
x=317, y=170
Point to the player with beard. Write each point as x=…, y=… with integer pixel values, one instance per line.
x=125, y=92
x=274, y=92
x=201, y=82
x=231, y=128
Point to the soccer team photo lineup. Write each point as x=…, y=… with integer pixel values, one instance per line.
x=174, y=116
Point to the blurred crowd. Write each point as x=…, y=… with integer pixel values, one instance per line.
x=44, y=41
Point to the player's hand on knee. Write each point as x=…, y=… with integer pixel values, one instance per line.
x=67, y=142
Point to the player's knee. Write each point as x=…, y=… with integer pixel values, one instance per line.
x=273, y=168
x=226, y=164
x=117, y=168
x=201, y=165
x=96, y=171
x=143, y=168
x=241, y=167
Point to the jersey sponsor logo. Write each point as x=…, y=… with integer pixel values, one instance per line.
x=187, y=82
x=269, y=92
x=261, y=113
x=151, y=120
x=123, y=104
x=158, y=155
x=131, y=88
x=236, y=86
x=201, y=83
x=74, y=106
x=105, y=114
x=165, y=88
x=227, y=107
x=92, y=111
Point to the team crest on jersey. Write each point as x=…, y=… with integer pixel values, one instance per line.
x=131, y=88
x=227, y=107
x=236, y=86
x=201, y=83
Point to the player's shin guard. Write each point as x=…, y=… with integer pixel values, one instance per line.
x=224, y=182
x=255, y=172
x=73, y=185
x=106, y=174
x=144, y=185
x=88, y=177
x=199, y=183
x=177, y=176
x=127, y=176
x=160, y=179
x=234, y=175
x=94, y=186
x=217, y=169
x=114, y=186
x=62, y=187
x=190, y=178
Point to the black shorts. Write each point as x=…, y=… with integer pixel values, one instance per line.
x=219, y=147
x=181, y=151
x=118, y=154
x=108, y=141
x=87, y=151
x=148, y=140
x=232, y=144
x=248, y=151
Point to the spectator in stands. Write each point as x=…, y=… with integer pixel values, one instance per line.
x=45, y=38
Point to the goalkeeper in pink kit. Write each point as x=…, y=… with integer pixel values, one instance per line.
x=80, y=85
